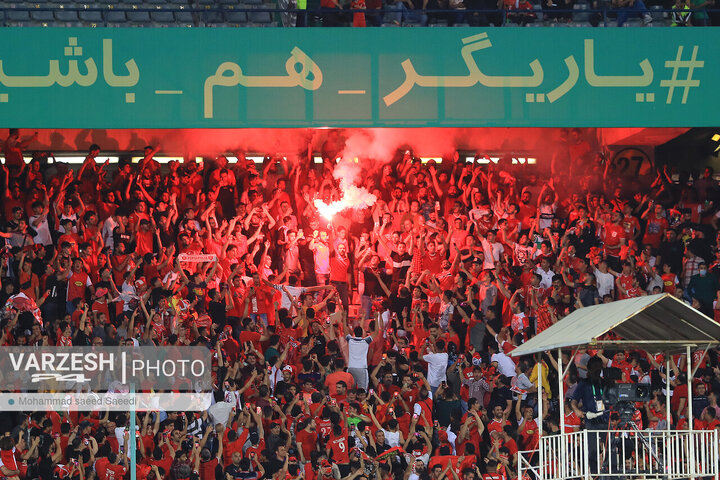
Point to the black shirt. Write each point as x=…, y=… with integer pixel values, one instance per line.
x=217, y=312
x=372, y=286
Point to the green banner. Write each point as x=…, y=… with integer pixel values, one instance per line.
x=257, y=77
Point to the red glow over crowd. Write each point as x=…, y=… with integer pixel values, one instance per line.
x=372, y=346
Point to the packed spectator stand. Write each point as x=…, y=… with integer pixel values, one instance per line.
x=371, y=345
x=356, y=13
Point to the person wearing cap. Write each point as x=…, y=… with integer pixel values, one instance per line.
x=278, y=434
x=100, y=303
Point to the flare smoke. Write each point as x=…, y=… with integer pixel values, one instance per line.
x=352, y=196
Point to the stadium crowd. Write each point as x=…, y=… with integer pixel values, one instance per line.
x=371, y=346
x=484, y=13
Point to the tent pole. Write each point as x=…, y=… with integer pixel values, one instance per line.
x=668, y=417
x=561, y=404
x=561, y=394
x=541, y=457
x=539, y=393
x=691, y=422
x=688, y=364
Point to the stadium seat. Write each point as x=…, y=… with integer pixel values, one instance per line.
x=64, y=15
x=155, y=2
x=15, y=15
x=259, y=17
x=211, y=16
x=162, y=16
x=42, y=15
x=252, y=2
x=115, y=16
x=184, y=17
x=90, y=15
x=235, y=17
x=137, y=16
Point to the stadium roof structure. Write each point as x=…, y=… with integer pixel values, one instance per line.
x=660, y=323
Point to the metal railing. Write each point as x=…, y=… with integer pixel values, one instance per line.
x=490, y=17
x=623, y=454
x=528, y=464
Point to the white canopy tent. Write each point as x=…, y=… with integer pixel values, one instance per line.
x=657, y=323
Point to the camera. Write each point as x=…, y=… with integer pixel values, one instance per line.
x=627, y=392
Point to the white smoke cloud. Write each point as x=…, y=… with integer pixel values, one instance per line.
x=347, y=172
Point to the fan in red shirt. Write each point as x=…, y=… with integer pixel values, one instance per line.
x=430, y=258
x=338, y=445
x=625, y=280
x=78, y=282
x=669, y=279
x=527, y=427
x=630, y=223
x=656, y=225
x=306, y=439
x=208, y=463
x=615, y=235
x=472, y=426
x=572, y=421
x=258, y=300
x=358, y=17
x=9, y=465
x=497, y=424
x=111, y=467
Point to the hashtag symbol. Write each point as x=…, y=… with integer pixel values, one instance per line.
x=688, y=82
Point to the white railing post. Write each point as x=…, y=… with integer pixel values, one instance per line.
x=541, y=457
x=586, y=454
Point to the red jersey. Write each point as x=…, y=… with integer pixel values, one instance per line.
x=308, y=441
x=77, y=285
x=432, y=262
x=144, y=241
x=626, y=283
x=614, y=234
x=631, y=225
x=358, y=17
x=323, y=426
x=572, y=422
x=496, y=425
x=670, y=282
x=528, y=434
x=339, y=447
x=626, y=370
x=493, y=476
x=655, y=231
x=207, y=469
